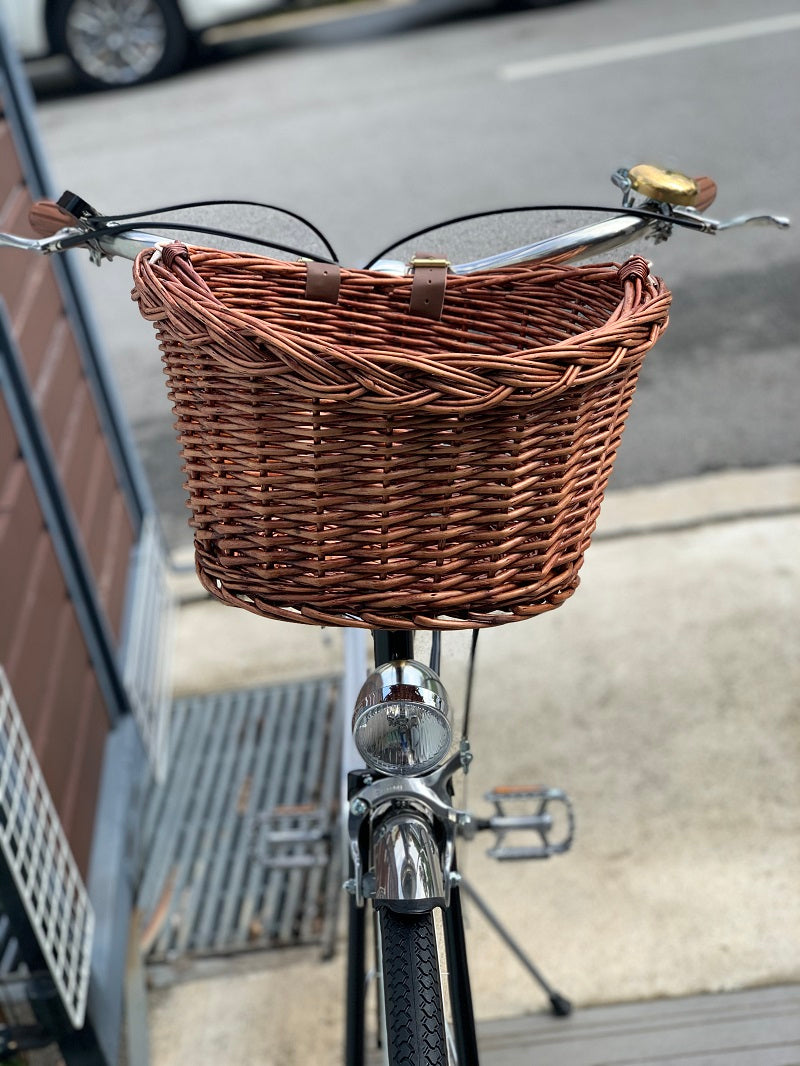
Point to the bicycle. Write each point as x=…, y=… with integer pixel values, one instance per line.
x=330, y=477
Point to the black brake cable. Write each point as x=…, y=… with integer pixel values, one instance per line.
x=111, y=230
x=464, y=795
x=470, y=678
x=436, y=651
x=226, y=203
x=656, y=216
x=436, y=662
x=108, y=225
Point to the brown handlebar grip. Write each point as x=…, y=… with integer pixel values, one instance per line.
x=706, y=193
x=46, y=218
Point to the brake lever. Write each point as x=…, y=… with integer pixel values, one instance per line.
x=711, y=225
x=42, y=245
x=707, y=225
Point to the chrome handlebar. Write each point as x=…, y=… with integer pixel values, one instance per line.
x=126, y=245
x=593, y=239
x=599, y=237
x=660, y=209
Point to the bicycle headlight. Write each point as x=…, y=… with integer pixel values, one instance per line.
x=401, y=721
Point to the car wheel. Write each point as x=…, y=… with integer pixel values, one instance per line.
x=112, y=43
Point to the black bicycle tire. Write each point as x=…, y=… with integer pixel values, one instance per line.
x=412, y=989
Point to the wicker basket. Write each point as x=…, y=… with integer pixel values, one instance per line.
x=353, y=464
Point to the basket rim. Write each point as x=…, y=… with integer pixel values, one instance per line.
x=175, y=294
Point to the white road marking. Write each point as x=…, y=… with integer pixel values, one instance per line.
x=649, y=46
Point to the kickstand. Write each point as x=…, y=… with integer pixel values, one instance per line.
x=560, y=1005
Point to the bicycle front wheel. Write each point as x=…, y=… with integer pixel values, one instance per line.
x=412, y=990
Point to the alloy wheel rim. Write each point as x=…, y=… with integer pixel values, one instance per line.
x=116, y=42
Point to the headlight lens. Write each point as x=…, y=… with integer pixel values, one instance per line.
x=401, y=722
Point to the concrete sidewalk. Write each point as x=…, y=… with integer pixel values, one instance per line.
x=662, y=697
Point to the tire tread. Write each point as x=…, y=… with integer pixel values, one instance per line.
x=412, y=990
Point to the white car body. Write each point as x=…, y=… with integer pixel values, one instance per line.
x=26, y=22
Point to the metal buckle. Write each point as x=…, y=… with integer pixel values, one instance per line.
x=429, y=261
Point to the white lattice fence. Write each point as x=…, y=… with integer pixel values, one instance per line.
x=40, y=860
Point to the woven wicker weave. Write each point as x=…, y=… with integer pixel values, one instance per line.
x=352, y=464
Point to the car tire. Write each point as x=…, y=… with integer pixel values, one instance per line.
x=114, y=43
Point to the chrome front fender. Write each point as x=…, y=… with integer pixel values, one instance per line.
x=406, y=864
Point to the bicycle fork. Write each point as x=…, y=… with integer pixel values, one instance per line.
x=401, y=834
x=402, y=827
x=402, y=844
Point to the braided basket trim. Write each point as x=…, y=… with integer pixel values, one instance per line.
x=517, y=336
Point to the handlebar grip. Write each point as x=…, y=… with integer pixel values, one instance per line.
x=46, y=218
x=706, y=193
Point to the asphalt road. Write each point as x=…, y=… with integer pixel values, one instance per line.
x=376, y=125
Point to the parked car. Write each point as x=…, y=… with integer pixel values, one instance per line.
x=120, y=42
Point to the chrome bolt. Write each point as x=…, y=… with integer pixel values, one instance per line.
x=350, y=886
x=358, y=806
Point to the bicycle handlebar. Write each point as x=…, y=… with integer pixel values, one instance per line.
x=668, y=199
x=593, y=239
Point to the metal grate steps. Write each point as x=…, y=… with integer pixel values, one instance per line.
x=238, y=846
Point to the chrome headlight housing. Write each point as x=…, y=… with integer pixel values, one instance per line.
x=401, y=723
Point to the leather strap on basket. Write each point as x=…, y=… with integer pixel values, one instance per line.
x=428, y=286
x=322, y=281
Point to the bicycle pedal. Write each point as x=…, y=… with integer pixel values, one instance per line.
x=546, y=815
x=291, y=837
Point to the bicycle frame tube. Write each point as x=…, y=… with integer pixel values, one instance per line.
x=392, y=644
